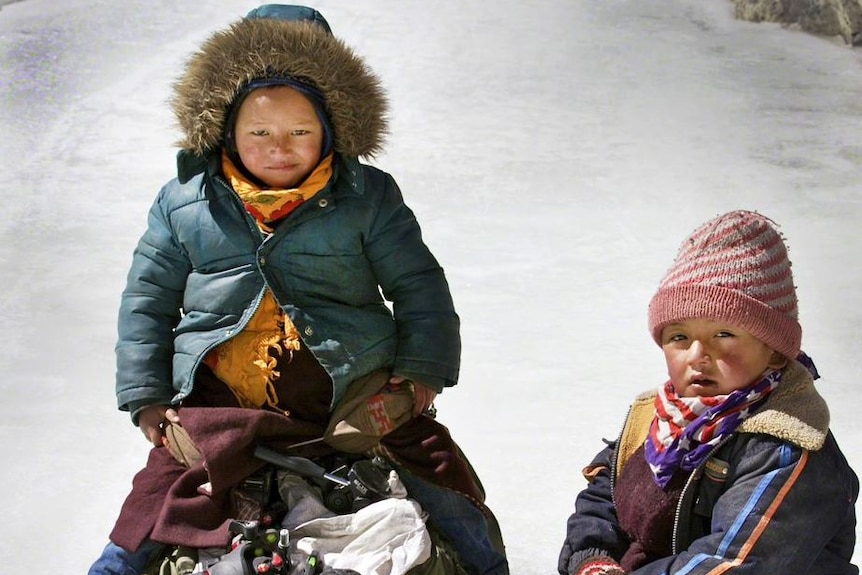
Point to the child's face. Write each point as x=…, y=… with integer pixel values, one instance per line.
x=278, y=136
x=708, y=358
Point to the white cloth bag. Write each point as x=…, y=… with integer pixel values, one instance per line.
x=387, y=537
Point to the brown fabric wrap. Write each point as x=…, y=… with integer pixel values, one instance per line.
x=181, y=445
x=370, y=409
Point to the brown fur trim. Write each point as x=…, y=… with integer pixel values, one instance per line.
x=254, y=48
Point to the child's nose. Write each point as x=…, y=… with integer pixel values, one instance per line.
x=282, y=145
x=697, y=354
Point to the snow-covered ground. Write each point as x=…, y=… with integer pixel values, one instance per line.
x=556, y=154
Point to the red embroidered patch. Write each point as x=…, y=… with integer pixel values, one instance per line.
x=379, y=417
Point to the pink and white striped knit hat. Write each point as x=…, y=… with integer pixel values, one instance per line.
x=733, y=268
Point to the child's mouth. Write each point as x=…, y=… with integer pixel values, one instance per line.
x=701, y=382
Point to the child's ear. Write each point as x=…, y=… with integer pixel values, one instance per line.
x=777, y=361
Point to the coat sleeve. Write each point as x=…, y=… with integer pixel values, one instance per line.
x=593, y=529
x=429, y=342
x=784, y=510
x=149, y=311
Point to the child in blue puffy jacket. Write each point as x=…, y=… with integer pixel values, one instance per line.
x=262, y=283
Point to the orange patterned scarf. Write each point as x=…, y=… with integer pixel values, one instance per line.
x=270, y=205
x=248, y=362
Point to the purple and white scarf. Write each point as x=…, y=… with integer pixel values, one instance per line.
x=685, y=429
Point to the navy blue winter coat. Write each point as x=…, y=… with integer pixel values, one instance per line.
x=778, y=498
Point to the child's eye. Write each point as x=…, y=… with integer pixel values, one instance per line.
x=676, y=337
x=300, y=132
x=724, y=334
x=259, y=133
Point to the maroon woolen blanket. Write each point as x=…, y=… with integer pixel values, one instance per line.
x=165, y=504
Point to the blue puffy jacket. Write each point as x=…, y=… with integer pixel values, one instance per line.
x=201, y=268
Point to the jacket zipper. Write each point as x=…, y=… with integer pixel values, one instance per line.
x=233, y=332
x=674, y=543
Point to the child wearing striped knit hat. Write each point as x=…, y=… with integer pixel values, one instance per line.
x=730, y=464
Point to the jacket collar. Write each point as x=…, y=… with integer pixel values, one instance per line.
x=795, y=412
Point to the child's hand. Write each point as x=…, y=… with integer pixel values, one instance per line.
x=151, y=419
x=599, y=565
x=423, y=397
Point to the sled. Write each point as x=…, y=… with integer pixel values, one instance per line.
x=361, y=522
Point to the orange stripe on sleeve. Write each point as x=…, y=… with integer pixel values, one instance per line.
x=764, y=521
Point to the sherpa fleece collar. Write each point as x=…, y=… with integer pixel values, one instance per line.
x=794, y=412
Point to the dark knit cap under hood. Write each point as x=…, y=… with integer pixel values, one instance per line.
x=265, y=44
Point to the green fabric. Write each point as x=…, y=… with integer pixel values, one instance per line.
x=444, y=560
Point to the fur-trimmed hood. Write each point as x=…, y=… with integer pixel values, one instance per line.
x=253, y=48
